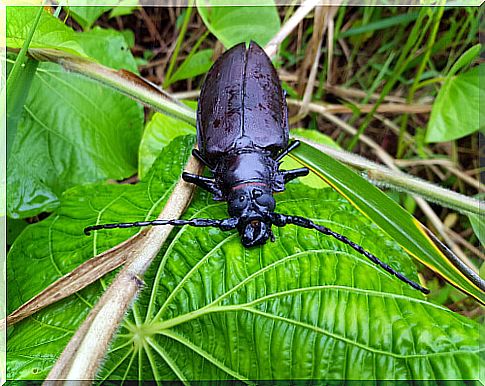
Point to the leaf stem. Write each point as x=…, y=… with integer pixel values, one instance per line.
x=433, y=193
x=178, y=44
x=83, y=354
x=400, y=181
x=306, y=7
x=19, y=92
x=122, y=81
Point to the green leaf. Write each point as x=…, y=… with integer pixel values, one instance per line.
x=18, y=91
x=315, y=136
x=194, y=65
x=85, y=16
x=456, y=110
x=235, y=24
x=289, y=163
x=82, y=206
x=129, y=36
x=304, y=307
x=73, y=130
x=109, y=47
x=401, y=19
x=14, y=228
x=89, y=11
x=50, y=33
x=465, y=59
x=389, y=216
x=124, y=7
x=159, y=132
x=478, y=225
x=18, y=84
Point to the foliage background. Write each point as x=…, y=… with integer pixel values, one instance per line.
x=71, y=131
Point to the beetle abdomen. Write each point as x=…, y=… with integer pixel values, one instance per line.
x=243, y=104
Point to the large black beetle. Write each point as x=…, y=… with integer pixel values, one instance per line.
x=242, y=134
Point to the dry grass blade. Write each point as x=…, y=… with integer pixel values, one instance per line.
x=314, y=51
x=76, y=280
x=307, y=6
x=391, y=108
x=452, y=169
x=344, y=92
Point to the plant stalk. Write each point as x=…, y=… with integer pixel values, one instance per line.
x=307, y=6
x=178, y=44
x=13, y=80
x=122, y=81
x=83, y=355
x=381, y=175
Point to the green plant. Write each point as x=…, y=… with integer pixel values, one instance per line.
x=304, y=307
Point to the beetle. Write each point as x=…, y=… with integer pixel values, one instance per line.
x=242, y=135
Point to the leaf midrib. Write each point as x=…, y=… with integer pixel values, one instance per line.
x=211, y=308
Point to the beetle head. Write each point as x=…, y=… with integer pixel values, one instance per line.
x=252, y=204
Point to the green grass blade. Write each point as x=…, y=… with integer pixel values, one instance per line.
x=389, y=216
x=380, y=24
x=178, y=44
x=16, y=97
x=17, y=93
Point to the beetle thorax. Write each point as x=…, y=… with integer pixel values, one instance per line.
x=239, y=168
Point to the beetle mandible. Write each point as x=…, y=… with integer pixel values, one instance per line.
x=242, y=135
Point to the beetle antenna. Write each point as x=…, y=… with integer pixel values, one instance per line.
x=282, y=220
x=225, y=224
x=285, y=152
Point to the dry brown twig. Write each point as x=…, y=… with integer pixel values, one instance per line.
x=314, y=50
x=306, y=7
x=451, y=168
x=79, y=278
x=81, y=357
x=355, y=93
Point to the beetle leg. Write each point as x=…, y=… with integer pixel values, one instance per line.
x=196, y=154
x=289, y=175
x=285, y=152
x=203, y=182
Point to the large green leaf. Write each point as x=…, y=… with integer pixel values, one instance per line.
x=304, y=307
x=158, y=133
x=478, y=225
x=236, y=24
x=387, y=214
x=73, y=130
x=457, y=110
x=50, y=32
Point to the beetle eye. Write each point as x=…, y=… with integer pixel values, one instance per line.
x=242, y=198
x=257, y=193
x=267, y=201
